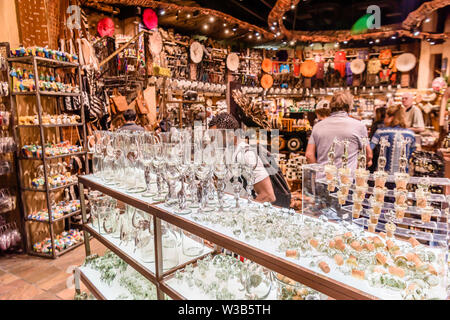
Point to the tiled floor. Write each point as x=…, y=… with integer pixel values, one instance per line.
x=24, y=277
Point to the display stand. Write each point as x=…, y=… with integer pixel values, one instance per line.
x=261, y=252
x=36, y=62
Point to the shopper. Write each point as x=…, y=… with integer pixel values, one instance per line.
x=413, y=116
x=338, y=125
x=263, y=185
x=322, y=112
x=380, y=114
x=130, y=121
x=395, y=126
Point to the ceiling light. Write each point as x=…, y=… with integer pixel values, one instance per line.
x=205, y=26
x=227, y=31
x=275, y=23
x=416, y=32
x=259, y=37
x=257, y=34
x=427, y=20
x=272, y=28
x=284, y=17
x=377, y=40
x=211, y=19
x=234, y=29
x=345, y=42
x=278, y=33
x=394, y=37
x=162, y=12
x=292, y=43
x=371, y=42
x=284, y=43
x=292, y=6
x=188, y=15
x=224, y=24
x=432, y=43
x=250, y=36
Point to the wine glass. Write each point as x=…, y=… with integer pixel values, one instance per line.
x=220, y=171
x=147, y=151
x=184, y=153
x=131, y=154
x=235, y=169
x=203, y=171
x=158, y=165
x=249, y=160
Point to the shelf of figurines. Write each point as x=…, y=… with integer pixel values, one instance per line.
x=337, y=259
x=44, y=62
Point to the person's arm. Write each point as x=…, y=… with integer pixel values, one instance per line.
x=369, y=156
x=311, y=153
x=264, y=191
x=418, y=124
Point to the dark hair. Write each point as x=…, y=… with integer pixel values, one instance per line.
x=399, y=114
x=341, y=101
x=129, y=115
x=224, y=121
x=380, y=114
x=323, y=112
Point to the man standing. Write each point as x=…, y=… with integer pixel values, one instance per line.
x=130, y=121
x=414, y=117
x=338, y=125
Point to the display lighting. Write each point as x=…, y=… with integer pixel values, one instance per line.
x=224, y=24
x=284, y=17
x=162, y=12
x=250, y=36
x=371, y=42
x=205, y=26
x=394, y=37
x=427, y=20
x=377, y=40
x=272, y=28
x=188, y=15
x=234, y=29
x=227, y=31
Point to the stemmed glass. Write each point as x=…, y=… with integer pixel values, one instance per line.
x=171, y=172
x=249, y=164
x=220, y=171
x=158, y=165
x=203, y=170
x=184, y=159
x=147, y=150
x=132, y=155
x=235, y=169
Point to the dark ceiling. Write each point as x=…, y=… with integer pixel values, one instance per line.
x=314, y=15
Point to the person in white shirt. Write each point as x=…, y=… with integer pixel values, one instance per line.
x=414, y=116
x=263, y=185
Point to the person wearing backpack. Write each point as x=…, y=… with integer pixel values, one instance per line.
x=267, y=188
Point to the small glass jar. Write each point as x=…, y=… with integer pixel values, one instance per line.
x=357, y=204
x=361, y=177
x=288, y=289
x=360, y=192
x=376, y=206
x=345, y=189
x=400, y=211
x=331, y=185
x=373, y=218
x=379, y=194
x=330, y=172
x=342, y=198
x=400, y=196
x=421, y=198
x=372, y=227
x=426, y=213
x=380, y=178
x=401, y=180
x=356, y=213
x=345, y=176
x=390, y=229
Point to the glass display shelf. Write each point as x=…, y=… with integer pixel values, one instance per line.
x=128, y=253
x=92, y=279
x=432, y=225
x=266, y=251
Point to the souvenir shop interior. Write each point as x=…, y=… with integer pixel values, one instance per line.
x=224, y=150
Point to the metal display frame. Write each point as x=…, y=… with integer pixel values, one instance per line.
x=36, y=62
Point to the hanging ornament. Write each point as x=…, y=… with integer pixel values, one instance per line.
x=150, y=19
x=105, y=27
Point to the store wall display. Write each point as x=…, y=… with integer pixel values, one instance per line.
x=63, y=241
x=10, y=237
x=51, y=149
x=59, y=210
x=44, y=53
x=50, y=119
x=7, y=200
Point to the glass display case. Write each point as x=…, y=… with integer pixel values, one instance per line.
x=318, y=254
